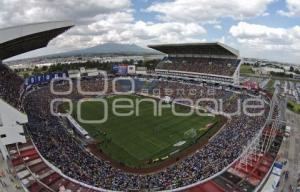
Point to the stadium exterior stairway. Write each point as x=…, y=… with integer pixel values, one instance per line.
x=207, y=187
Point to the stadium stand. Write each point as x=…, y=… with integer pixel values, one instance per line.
x=251, y=171
x=54, y=140
x=224, y=67
x=13, y=41
x=20, y=39
x=53, y=159
x=208, y=61
x=10, y=86
x=35, y=174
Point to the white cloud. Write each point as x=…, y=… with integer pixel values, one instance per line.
x=97, y=21
x=218, y=27
x=14, y=12
x=222, y=39
x=264, y=40
x=209, y=11
x=266, y=14
x=293, y=8
x=121, y=27
x=131, y=32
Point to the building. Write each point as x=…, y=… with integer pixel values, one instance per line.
x=131, y=69
x=141, y=71
x=267, y=70
x=296, y=76
x=74, y=74
x=214, y=62
x=92, y=72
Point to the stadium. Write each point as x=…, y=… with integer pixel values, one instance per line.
x=224, y=150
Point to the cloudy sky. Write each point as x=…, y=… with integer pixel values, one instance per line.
x=258, y=28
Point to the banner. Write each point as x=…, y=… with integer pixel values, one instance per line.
x=44, y=78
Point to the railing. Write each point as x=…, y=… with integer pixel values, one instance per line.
x=230, y=165
x=31, y=173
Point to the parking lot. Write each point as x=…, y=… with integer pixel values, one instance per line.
x=290, y=152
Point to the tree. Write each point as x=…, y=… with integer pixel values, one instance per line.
x=35, y=70
x=26, y=75
x=44, y=68
x=292, y=69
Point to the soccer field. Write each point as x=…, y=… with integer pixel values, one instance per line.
x=144, y=140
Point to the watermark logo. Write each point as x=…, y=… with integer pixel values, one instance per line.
x=196, y=100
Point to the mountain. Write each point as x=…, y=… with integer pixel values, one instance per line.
x=111, y=49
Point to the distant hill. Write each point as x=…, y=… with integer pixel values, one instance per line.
x=111, y=49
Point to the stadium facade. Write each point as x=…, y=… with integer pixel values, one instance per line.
x=14, y=41
x=198, y=57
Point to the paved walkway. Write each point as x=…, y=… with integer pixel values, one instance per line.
x=7, y=182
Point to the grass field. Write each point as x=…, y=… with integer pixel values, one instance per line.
x=246, y=69
x=293, y=106
x=270, y=86
x=140, y=141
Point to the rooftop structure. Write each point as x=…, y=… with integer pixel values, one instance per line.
x=197, y=49
x=20, y=39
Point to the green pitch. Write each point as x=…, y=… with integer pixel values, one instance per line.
x=144, y=140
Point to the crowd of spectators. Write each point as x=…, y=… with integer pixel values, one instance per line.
x=58, y=146
x=224, y=67
x=10, y=86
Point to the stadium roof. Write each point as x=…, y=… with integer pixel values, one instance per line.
x=197, y=48
x=21, y=39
